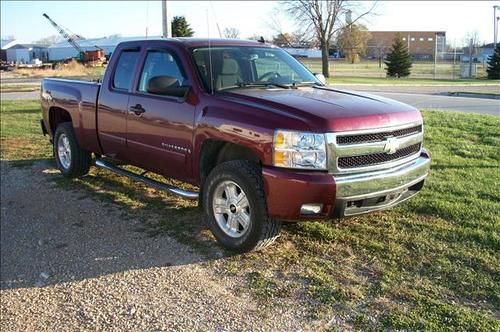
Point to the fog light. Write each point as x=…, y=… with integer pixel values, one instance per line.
x=310, y=209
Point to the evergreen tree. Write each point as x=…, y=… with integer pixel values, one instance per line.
x=493, y=69
x=398, y=61
x=180, y=27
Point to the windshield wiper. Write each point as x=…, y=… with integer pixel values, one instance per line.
x=266, y=84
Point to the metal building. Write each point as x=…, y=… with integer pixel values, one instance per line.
x=26, y=53
x=63, y=50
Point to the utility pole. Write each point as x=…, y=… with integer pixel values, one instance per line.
x=495, y=27
x=167, y=29
x=470, y=57
x=435, y=53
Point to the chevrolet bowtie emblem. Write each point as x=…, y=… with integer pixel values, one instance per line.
x=391, y=145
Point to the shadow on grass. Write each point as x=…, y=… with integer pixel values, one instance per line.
x=97, y=225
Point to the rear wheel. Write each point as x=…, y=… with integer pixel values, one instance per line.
x=71, y=159
x=235, y=207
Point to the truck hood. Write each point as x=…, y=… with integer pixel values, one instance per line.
x=326, y=109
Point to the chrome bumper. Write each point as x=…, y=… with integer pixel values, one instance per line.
x=367, y=192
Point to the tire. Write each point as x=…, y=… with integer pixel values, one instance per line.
x=76, y=161
x=235, y=178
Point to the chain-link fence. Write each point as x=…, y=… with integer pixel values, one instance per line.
x=425, y=69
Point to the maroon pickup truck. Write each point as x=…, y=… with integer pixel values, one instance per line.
x=263, y=138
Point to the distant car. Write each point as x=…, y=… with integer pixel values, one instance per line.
x=262, y=138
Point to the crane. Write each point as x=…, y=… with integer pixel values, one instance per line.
x=83, y=56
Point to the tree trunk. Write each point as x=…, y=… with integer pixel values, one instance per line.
x=324, y=58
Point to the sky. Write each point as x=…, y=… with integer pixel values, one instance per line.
x=92, y=19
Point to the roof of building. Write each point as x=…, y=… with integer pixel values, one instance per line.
x=8, y=43
x=101, y=42
x=28, y=46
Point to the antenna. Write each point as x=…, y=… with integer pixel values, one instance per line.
x=210, y=57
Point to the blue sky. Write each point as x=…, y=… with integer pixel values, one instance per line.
x=23, y=19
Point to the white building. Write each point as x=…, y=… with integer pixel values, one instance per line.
x=26, y=53
x=63, y=50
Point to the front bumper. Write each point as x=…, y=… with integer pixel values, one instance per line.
x=367, y=192
x=342, y=195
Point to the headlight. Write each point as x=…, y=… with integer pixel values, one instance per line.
x=293, y=149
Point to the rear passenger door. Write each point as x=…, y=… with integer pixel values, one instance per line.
x=160, y=127
x=113, y=104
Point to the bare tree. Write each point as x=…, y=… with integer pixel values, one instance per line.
x=50, y=40
x=324, y=19
x=231, y=33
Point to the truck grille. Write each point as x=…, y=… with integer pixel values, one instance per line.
x=374, y=149
x=375, y=137
x=377, y=158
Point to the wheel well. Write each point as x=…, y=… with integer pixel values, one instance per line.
x=57, y=116
x=214, y=152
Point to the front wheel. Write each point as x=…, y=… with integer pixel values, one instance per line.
x=235, y=207
x=71, y=159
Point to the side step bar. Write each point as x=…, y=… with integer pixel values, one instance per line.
x=150, y=182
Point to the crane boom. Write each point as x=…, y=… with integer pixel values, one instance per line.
x=65, y=34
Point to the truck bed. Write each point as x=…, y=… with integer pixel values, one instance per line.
x=79, y=99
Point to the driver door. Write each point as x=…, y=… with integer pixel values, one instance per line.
x=159, y=127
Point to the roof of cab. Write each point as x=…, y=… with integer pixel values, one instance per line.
x=205, y=42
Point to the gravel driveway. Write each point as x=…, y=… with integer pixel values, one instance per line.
x=69, y=262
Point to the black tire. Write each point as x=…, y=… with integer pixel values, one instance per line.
x=262, y=230
x=80, y=159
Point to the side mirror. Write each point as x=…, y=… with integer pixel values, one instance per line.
x=167, y=86
x=320, y=77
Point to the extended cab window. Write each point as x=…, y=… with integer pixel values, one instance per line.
x=125, y=67
x=159, y=63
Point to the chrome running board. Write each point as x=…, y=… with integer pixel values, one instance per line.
x=150, y=182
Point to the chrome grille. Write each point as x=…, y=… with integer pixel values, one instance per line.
x=374, y=137
x=377, y=158
x=374, y=149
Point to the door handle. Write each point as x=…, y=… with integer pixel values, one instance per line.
x=137, y=109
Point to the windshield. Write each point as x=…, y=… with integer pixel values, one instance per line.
x=240, y=66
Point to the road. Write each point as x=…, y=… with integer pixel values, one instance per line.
x=450, y=103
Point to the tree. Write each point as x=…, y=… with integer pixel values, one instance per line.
x=398, y=60
x=352, y=40
x=324, y=19
x=231, y=33
x=50, y=40
x=180, y=27
x=493, y=69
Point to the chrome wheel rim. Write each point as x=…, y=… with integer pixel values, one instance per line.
x=231, y=209
x=64, y=151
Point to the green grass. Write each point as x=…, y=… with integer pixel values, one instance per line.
x=433, y=263
x=410, y=81
x=18, y=87
x=370, y=68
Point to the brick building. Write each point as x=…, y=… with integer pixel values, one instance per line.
x=422, y=44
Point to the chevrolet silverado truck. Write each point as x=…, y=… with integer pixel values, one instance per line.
x=263, y=138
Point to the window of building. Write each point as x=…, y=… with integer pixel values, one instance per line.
x=159, y=63
x=125, y=69
x=429, y=39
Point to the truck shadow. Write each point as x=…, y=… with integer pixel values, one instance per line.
x=56, y=230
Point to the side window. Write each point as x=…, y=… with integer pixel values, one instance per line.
x=124, y=71
x=159, y=63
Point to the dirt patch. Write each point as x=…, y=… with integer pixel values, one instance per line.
x=69, y=262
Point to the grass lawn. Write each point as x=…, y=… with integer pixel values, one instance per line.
x=19, y=88
x=370, y=68
x=431, y=264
